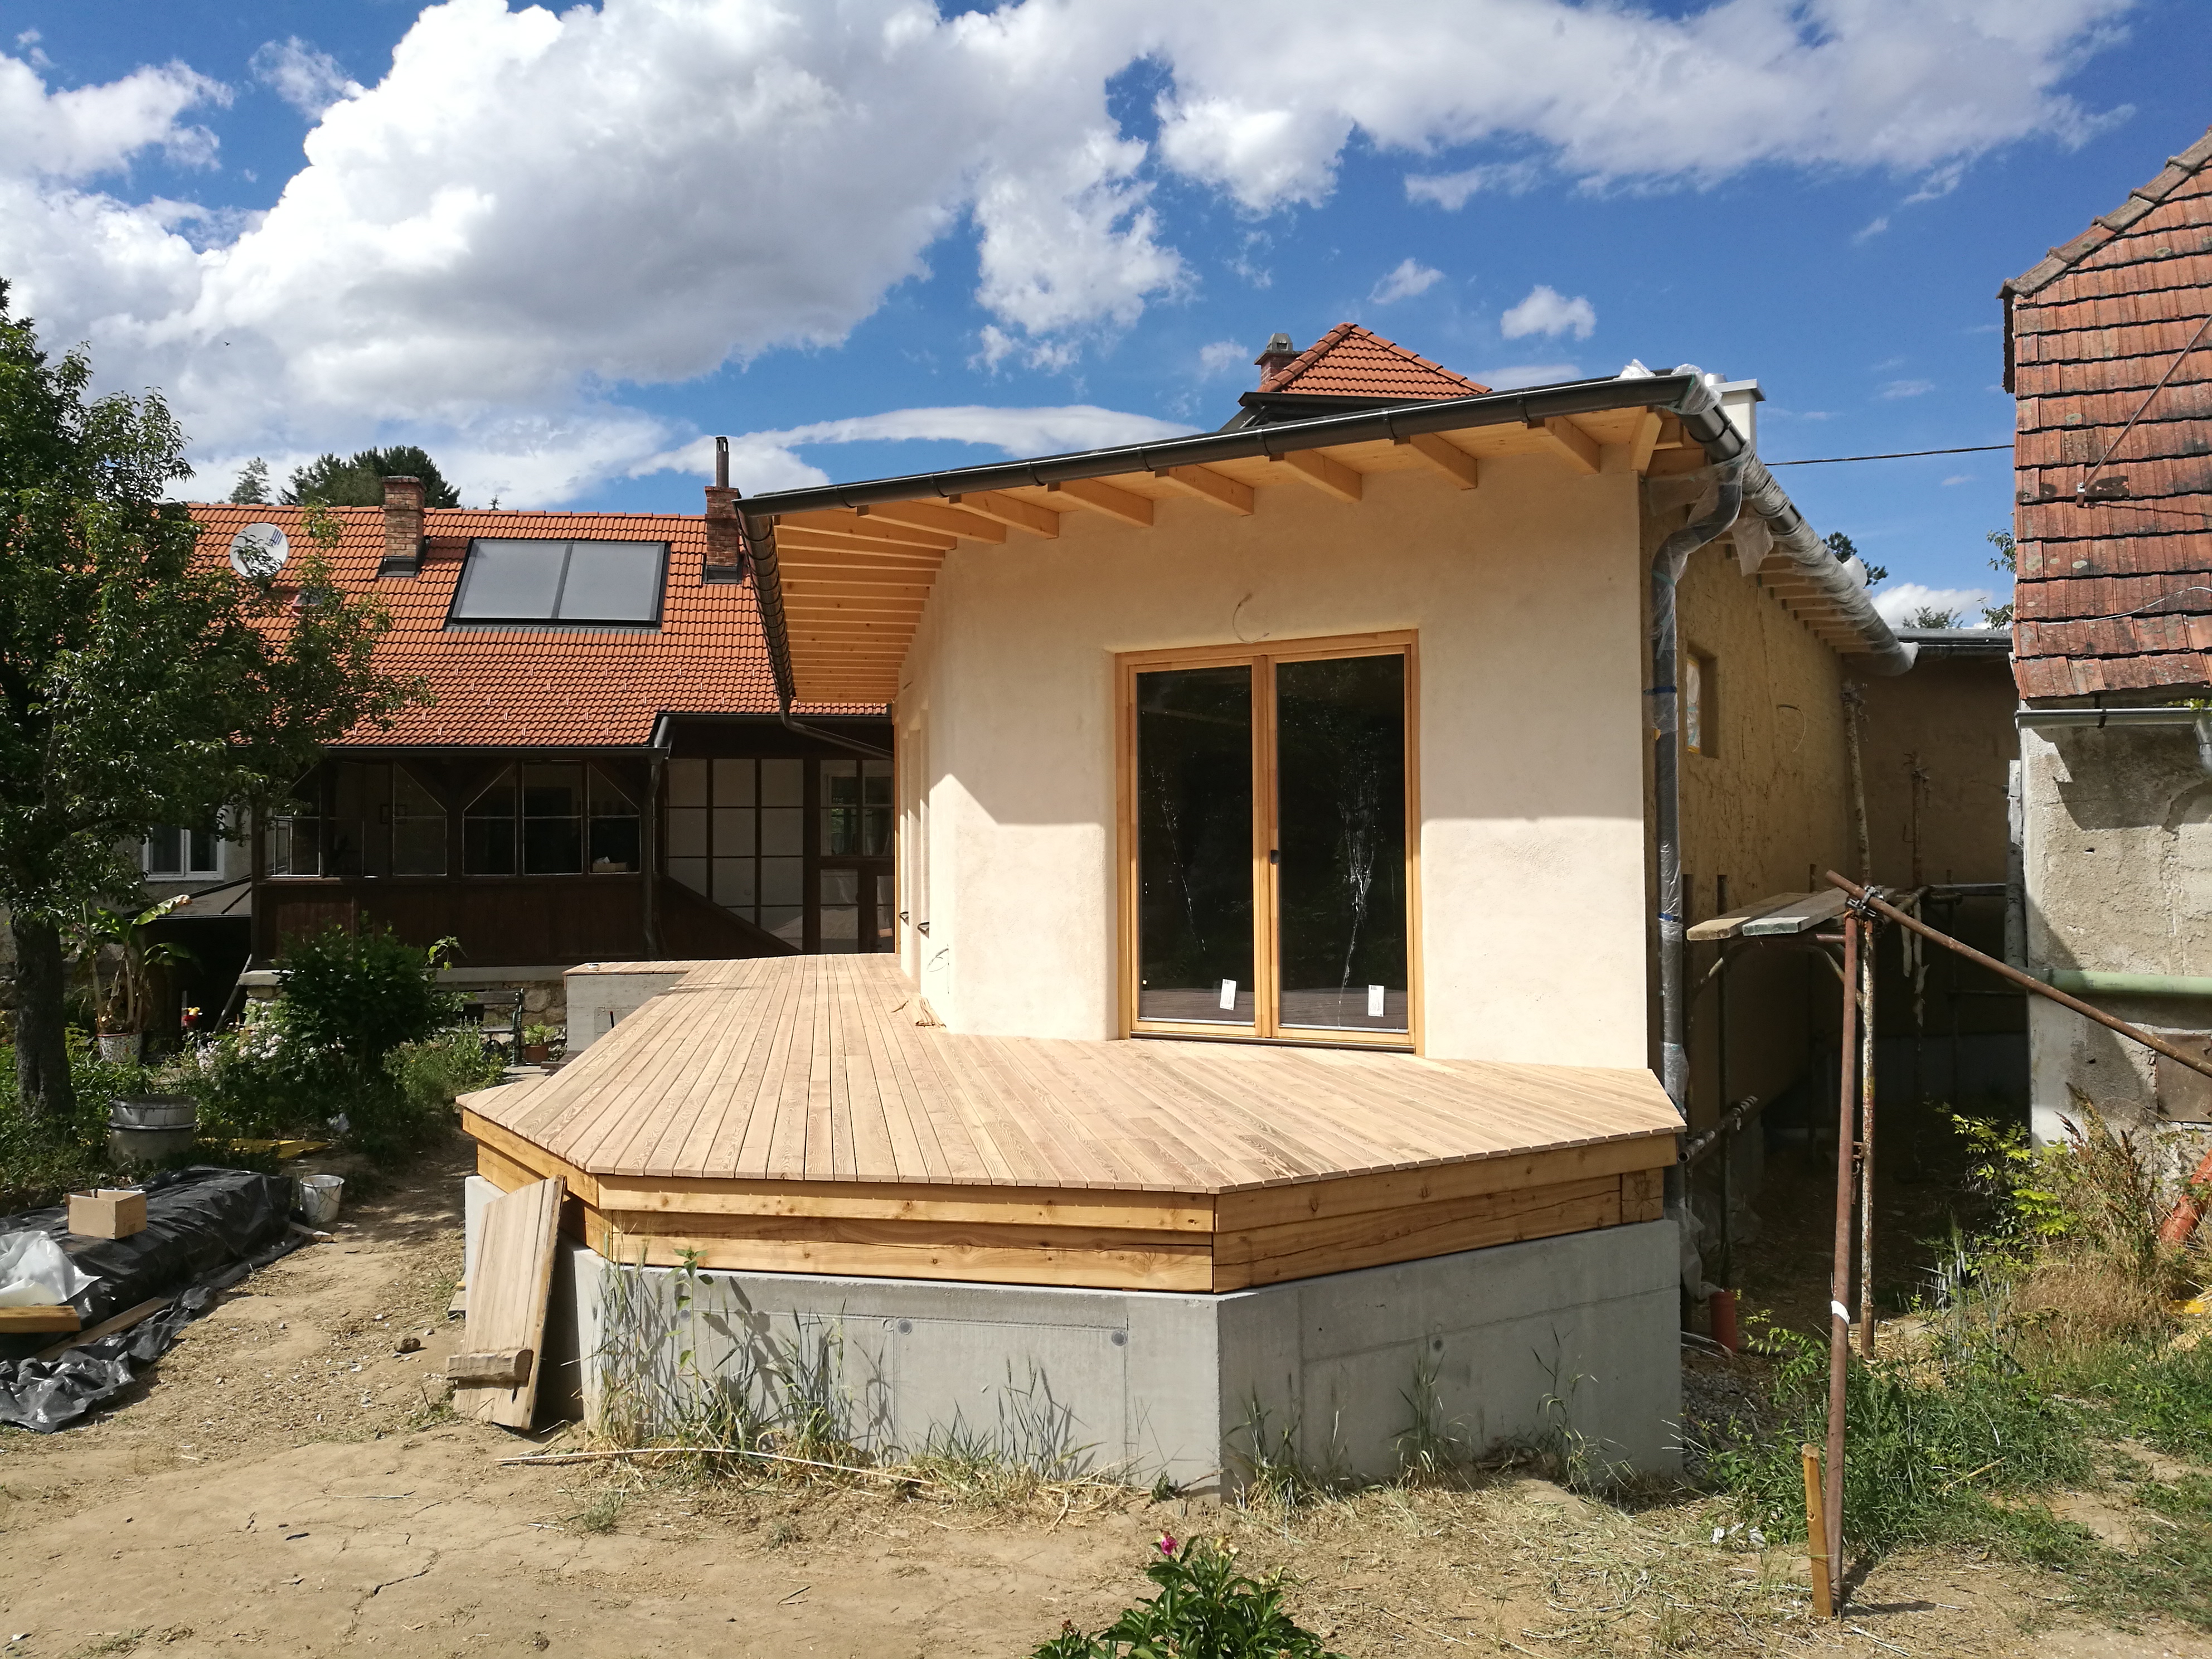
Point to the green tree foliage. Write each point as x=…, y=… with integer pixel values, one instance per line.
x=252, y=488
x=142, y=682
x=362, y=994
x=1840, y=545
x=358, y=482
x=2000, y=616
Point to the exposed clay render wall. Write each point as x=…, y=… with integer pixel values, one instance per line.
x=1526, y=593
x=1769, y=801
x=2116, y=843
x=1949, y=719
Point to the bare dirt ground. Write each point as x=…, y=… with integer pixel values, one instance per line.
x=288, y=1483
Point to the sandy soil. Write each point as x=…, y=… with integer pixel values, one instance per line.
x=288, y=1483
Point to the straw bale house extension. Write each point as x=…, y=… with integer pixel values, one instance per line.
x=1287, y=947
x=2108, y=354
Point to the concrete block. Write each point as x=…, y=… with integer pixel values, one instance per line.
x=1564, y=1336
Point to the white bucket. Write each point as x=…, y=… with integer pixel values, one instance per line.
x=318, y=1198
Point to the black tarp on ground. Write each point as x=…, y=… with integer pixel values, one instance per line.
x=205, y=1230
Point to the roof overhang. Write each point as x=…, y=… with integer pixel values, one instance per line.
x=845, y=570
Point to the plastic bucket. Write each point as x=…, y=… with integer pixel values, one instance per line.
x=319, y=1196
x=153, y=1112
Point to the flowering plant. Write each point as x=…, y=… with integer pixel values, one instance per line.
x=1205, y=1609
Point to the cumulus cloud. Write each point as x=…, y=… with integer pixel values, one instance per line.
x=1410, y=278
x=1547, y=311
x=1221, y=357
x=531, y=207
x=308, y=80
x=1900, y=605
x=767, y=460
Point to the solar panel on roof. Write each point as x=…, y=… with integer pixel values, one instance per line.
x=518, y=580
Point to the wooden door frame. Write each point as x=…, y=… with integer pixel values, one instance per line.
x=1262, y=658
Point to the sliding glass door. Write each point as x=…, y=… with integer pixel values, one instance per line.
x=1269, y=876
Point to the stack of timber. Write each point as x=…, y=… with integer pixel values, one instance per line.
x=793, y=1114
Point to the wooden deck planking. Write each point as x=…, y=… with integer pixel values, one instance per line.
x=811, y=1069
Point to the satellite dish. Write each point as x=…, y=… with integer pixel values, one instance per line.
x=259, y=550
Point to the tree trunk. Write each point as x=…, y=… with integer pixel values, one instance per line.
x=42, y=1072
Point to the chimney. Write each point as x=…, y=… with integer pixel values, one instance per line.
x=726, y=548
x=1279, y=354
x=403, y=527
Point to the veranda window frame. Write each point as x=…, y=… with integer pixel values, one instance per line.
x=1266, y=1026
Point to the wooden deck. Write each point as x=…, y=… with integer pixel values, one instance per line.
x=797, y=1115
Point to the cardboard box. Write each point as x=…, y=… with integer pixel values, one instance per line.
x=109, y=1212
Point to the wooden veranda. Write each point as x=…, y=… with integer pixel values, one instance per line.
x=807, y=1114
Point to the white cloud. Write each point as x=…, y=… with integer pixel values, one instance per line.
x=1871, y=229
x=1547, y=311
x=531, y=205
x=1896, y=389
x=1450, y=190
x=308, y=80
x=1409, y=278
x=1221, y=357
x=1959, y=478
x=1514, y=376
x=1900, y=603
x=766, y=460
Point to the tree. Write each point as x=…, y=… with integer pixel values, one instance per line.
x=2000, y=616
x=360, y=481
x=143, y=681
x=1840, y=545
x=1932, y=616
x=252, y=488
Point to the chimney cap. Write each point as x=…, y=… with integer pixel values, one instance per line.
x=1278, y=345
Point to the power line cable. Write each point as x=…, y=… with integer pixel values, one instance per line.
x=1897, y=455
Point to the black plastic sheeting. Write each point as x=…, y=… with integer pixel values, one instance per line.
x=205, y=1230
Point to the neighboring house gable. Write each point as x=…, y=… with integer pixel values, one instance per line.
x=1348, y=368
x=2114, y=520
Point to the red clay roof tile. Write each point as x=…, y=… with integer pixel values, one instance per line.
x=541, y=687
x=1351, y=361
x=2117, y=596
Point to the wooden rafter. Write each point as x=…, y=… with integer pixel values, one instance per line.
x=1008, y=509
x=927, y=515
x=1102, y=497
x=1645, y=440
x=1207, y=485
x=1323, y=472
x=1569, y=441
x=854, y=527
x=1444, y=457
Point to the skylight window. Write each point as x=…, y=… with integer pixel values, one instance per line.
x=510, y=579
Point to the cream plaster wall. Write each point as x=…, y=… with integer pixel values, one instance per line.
x=1526, y=593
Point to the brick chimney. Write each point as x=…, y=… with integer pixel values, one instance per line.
x=1279, y=354
x=726, y=547
x=403, y=527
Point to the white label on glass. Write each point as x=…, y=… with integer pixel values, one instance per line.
x=1229, y=994
x=1374, y=1002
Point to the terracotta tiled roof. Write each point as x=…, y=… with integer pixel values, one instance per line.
x=1351, y=361
x=2117, y=596
x=541, y=687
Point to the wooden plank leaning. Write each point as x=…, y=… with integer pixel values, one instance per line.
x=509, y=1288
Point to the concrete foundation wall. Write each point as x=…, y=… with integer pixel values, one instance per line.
x=1151, y=1382
x=2117, y=851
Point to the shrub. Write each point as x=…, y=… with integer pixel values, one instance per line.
x=43, y=1158
x=1205, y=1609
x=363, y=994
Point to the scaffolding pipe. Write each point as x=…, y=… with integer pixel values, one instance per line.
x=1839, y=1269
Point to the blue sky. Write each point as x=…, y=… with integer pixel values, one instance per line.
x=864, y=236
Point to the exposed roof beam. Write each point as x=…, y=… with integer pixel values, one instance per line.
x=1645, y=440
x=927, y=515
x=1445, y=457
x=1570, y=441
x=1207, y=485
x=866, y=530
x=1324, y=472
x=1008, y=509
x=1106, y=498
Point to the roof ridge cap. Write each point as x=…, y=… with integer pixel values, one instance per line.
x=2063, y=258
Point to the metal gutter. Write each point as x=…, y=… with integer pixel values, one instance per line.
x=1659, y=392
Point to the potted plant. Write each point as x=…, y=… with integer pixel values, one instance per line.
x=539, y=1042
x=127, y=998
